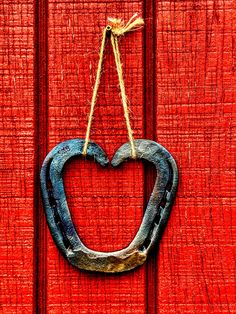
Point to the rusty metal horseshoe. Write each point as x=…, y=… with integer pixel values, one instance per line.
x=154, y=220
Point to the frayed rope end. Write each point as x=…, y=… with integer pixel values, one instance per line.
x=118, y=26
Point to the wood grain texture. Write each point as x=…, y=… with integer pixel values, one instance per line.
x=106, y=204
x=17, y=156
x=180, y=79
x=149, y=114
x=196, y=122
x=41, y=144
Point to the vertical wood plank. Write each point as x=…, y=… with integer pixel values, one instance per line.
x=106, y=204
x=195, y=115
x=149, y=115
x=17, y=156
x=41, y=143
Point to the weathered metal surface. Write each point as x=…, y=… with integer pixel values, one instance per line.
x=154, y=219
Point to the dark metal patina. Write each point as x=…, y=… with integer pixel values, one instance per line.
x=155, y=216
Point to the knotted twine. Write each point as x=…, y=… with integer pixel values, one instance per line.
x=116, y=28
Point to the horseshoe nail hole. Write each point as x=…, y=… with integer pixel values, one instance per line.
x=51, y=199
x=148, y=240
x=106, y=204
x=157, y=219
x=53, y=204
x=59, y=225
x=146, y=244
x=142, y=249
x=169, y=184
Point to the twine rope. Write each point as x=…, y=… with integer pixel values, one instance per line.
x=116, y=28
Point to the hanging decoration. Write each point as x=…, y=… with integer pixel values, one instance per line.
x=162, y=197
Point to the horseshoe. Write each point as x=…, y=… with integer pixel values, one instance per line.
x=154, y=220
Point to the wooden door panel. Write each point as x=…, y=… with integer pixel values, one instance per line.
x=106, y=204
x=17, y=157
x=195, y=121
x=179, y=76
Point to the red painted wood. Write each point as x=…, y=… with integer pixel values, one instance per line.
x=106, y=204
x=179, y=74
x=17, y=156
x=41, y=144
x=195, y=121
x=149, y=114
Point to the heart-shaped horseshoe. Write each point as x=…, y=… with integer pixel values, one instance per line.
x=154, y=219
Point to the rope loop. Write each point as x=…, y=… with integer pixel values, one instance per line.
x=114, y=29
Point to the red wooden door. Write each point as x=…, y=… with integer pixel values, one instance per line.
x=180, y=80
